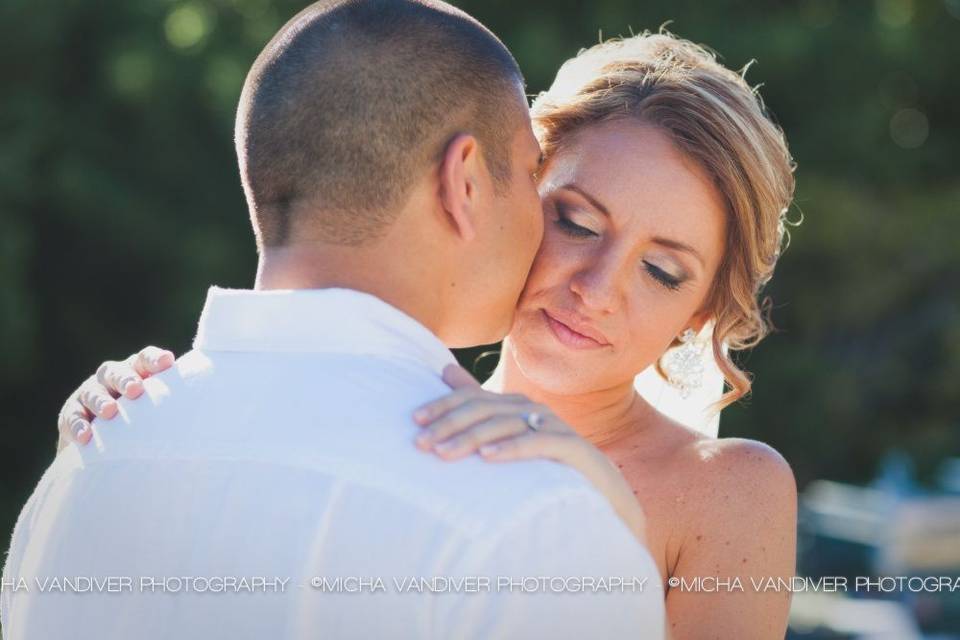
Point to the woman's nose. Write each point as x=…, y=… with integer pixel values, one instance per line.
x=598, y=288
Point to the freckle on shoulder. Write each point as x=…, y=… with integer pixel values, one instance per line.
x=745, y=461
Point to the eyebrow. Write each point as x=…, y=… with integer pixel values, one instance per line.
x=589, y=198
x=679, y=246
x=664, y=242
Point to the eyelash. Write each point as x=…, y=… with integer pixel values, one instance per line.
x=662, y=276
x=574, y=230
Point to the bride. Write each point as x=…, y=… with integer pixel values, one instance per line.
x=664, y=192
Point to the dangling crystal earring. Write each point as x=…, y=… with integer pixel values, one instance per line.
x=684, y=365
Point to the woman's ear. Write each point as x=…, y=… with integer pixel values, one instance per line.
x=700, y=319
x=458, y=184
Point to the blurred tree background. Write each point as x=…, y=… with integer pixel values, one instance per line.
x=121, y=203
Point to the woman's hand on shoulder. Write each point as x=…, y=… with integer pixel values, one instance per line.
x=505, y=427
x=498, y=426
x=96, y=397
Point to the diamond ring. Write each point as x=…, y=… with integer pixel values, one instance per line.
x=534, y=420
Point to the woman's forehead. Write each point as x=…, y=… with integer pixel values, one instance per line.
x=639, y=176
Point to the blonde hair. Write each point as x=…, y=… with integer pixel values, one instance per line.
x=715, y=118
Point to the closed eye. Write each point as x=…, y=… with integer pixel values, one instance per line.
x=573, y=229
x=570, y=227
x=670, y=282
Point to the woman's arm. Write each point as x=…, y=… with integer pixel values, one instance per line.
x=471, y=420
x=739, y=546
x=467, y=421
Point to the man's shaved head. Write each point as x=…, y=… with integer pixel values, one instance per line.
x=353, y=100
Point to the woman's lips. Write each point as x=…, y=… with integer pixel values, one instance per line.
x=569, y=336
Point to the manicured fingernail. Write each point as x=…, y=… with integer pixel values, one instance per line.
x=488, y=449
x=423, y=440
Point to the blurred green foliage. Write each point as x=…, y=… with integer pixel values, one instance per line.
x=120, y=201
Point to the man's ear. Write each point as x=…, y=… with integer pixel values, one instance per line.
x=458, y=184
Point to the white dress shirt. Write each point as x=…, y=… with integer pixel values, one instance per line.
x=268, y=486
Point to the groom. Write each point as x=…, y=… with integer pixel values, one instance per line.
x=269, y=486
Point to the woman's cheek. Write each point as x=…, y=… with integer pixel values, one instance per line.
x=649, y=332
x=547, y=264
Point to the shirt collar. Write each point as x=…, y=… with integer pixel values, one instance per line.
x=315, y=320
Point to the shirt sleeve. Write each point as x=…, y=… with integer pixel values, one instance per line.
x=567, y=568
x=14, y=558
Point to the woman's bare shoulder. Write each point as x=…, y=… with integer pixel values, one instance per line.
x=734, y=469
x=739, y=475
x=739, y=458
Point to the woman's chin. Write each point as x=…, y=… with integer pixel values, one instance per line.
x=560, y=370
x=554, y=368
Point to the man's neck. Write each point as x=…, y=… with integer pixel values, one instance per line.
x=600, y=416
x=323, y=267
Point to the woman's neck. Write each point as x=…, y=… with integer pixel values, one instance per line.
x=600, y=417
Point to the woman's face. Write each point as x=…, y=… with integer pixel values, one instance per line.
x=633, y=236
